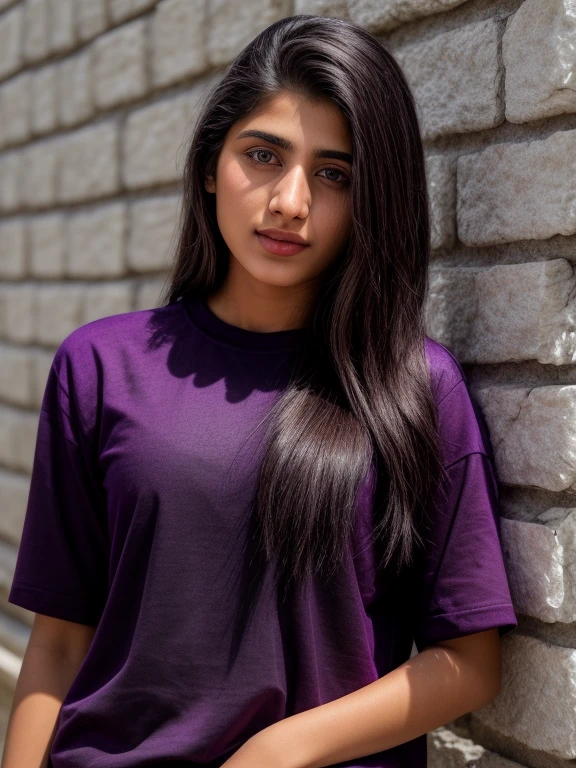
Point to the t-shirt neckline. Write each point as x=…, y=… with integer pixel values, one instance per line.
x=204, y=318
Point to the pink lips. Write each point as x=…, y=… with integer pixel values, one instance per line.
x=279, y=247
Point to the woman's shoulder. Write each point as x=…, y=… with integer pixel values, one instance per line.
x=445, y=370
x=462, y=426
x=109, y=333
x=98, y=345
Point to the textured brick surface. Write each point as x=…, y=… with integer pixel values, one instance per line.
x=12, y=248
x=539, y=54
x=452, y=98
x=507, y=312
x=74, y=89
x=62, y=29
x=152, y=228
x=46, y=243
x=534, y=440
x=36, y=42
x=95, y=241
x=541, y=565
x=91, y=18
x=15, y=107
x=44, y=100
x=536, y=672
x=119, y=65
x=11, y=54
x=152, y=137
x=178, y=40
x=40, y=162
x=379, y=16
x=10, y=180
x=499, y=202
x=89, y=168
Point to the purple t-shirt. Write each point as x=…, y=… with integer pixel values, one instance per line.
x=150, y=432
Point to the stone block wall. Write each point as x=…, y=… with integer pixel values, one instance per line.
x=96, y=98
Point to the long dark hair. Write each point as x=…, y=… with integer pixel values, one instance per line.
x=360, y=395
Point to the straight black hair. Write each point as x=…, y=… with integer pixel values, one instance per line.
x=360, y=394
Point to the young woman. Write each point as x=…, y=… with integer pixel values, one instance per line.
x=248, y=503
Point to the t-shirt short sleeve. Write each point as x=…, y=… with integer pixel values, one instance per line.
x=461, y=582
x=61, y=567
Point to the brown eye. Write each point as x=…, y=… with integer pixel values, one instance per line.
x=252, y=152
x=343, y=180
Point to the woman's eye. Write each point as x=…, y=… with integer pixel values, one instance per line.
x=343, y=180
x=251, y=153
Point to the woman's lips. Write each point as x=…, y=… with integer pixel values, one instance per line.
x=279, y=247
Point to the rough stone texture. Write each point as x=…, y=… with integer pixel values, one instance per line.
x=91, y=18
x=541, y=565
x=178, y=36
x=119, y=65
x=90, y=166
x=36, y=36
x=451, y=98
x=338, y=8
x=10, y=180
x=498, y=201
x=448, y=750
x=441, y=182
x=44, y=95
x=14, y=489
x=16, y=375
x=536, y=672
x=46, y=238
x=95, y=241
x=18, y=429
x=152, y=137
x=533, y=433
x=61, y=25
x=148, y=294
x=232, y=25
x=40, y=162
x=378, y=16
x=539, y=52
x=105, y=299
x=511, y=312
x=18, y=313
x=152, y=228
x=15, y=108
x=58, y=311
x=12, y=249
x=120, y=10
x=11, y=55
x=4, y=287
x=75, y=96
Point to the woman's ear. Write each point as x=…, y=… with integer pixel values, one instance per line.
x=210, y=184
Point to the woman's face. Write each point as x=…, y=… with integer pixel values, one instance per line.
x=278, y=182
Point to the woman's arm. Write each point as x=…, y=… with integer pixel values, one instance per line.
x=435, y=686
x=54, y=653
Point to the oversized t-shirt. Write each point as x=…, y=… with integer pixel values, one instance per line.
x=149, y=437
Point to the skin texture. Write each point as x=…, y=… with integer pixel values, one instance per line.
x=54, y=653
x=290, y=190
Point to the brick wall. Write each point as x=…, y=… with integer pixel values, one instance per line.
x=96, y=98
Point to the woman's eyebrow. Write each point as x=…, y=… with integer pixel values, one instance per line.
x=332, y=154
